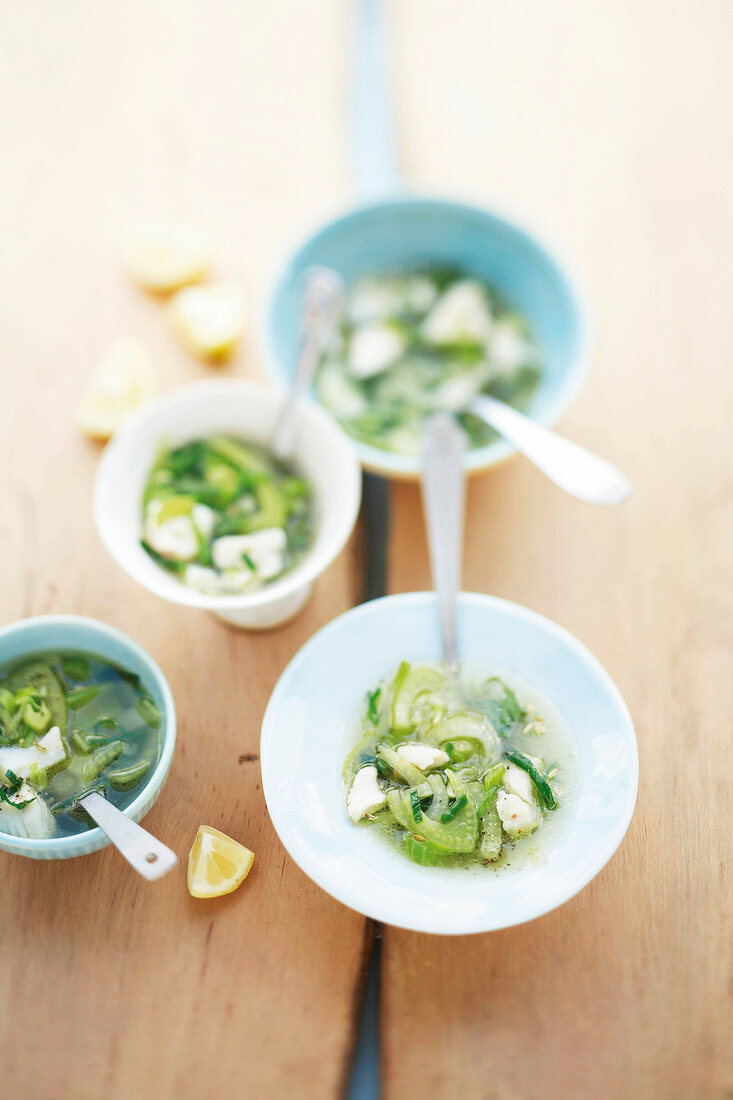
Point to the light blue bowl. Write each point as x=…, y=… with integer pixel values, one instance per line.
x=29, y=636
x=406, y=232
x=309, y=729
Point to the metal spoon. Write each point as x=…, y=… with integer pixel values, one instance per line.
x=148, y=856
x=570, y=466
x=320, y=308
x=443, y=491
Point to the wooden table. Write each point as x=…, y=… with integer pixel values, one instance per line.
x=610, y=124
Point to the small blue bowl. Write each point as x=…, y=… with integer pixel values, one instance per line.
x=410, y=232
x=30, y=636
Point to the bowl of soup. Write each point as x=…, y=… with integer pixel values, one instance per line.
x=441, y=804
x=444, y=302
x=82, y=708
x=190, y=501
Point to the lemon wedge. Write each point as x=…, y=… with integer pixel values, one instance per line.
x=208, y=319
x=162, y=257
x=216, y=864
x=121, y=383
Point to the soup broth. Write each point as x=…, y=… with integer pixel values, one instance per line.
x=410, y=343
x=71, y=723
x=224, y=516
x=478, y=772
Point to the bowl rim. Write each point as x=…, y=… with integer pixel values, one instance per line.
x=407, y=467
x=312, y=565
x=96, y=838
x=308, y=860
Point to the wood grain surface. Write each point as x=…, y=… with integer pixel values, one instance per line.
x=609, y=125
x=611, y=122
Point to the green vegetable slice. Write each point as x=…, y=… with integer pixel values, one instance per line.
x=149, y=712
x=43, y=680
x=463, y=748
x=417, y=696
x=239, y=456
x=544, y=790
x=506, y=711
x=469, y=727
x=439, y=800
x=403, y=768
x=100, y=759
x=415, y=805
x=81, y=697
x=76, y=667
x=421, y=851
x=457, y=835
x=373, y=698
x=125, y=779
x=490, y=839
x=454, y=809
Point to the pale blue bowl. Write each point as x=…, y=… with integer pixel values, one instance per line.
x=29, y=636
x=308, y=731
x=406, y=232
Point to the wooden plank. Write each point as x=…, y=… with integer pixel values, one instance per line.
x=611, y=122
x=110, y=987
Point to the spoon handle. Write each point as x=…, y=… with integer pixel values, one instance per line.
x=443, y=490
x=375, y=158
x=571, y=467
x=321, y=302
x=148, y=856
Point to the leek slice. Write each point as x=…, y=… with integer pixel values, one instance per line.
x=44, y=681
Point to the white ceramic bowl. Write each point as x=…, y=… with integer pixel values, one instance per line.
x=323, y=454
x=74, y=632
x=308, y=730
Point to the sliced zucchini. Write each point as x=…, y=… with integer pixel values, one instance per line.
x=457, y=835
x=417, y=696
x=465, y=725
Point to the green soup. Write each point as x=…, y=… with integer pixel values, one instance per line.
x=71, y=723
x=410, y=343
x=467, y=772
x=224, y=516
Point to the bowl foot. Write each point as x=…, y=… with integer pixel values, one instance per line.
x=271, y=614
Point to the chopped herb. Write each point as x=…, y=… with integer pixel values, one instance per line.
x=416, y=807
x=248, y=562
x=373, y=698
x=506, y=711
x=454, y=808
x=544, y=790
x=15, y=781
x=6, y=793
x=488, y=798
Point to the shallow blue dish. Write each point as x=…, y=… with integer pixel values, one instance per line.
x=46, y=632
x=308, y=730
x=409, y=232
